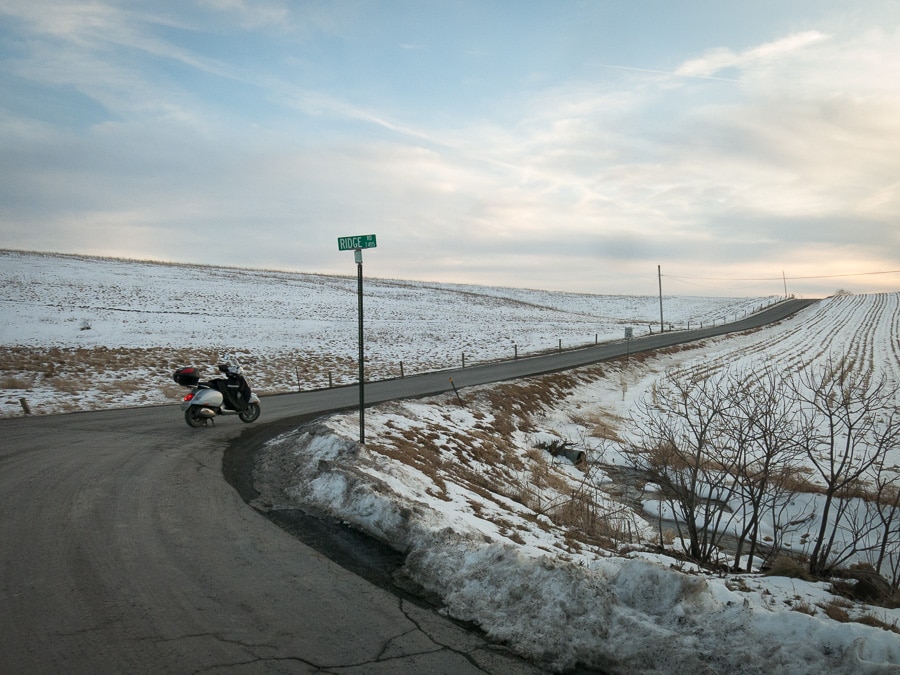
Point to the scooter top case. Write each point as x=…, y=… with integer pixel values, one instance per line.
x=187, y=376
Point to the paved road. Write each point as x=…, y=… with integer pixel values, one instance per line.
x=122, y=549
x=438, y=382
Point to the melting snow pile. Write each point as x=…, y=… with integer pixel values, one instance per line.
x=471, y=523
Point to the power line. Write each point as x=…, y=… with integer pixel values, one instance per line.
x=822, y=276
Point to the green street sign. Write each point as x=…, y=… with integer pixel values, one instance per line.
x=353, y=243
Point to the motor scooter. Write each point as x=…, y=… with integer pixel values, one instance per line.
x=205, y=401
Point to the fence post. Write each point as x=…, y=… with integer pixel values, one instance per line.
x=456, y=391
x=515, y=352
x=560, y=345
x=401, y=370
x=464, y=359
x=329, y=380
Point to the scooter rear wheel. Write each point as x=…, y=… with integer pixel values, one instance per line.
x=250, y=414
x=193, y=417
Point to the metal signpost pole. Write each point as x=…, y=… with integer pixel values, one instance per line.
x=362, y=370
x=357, y=244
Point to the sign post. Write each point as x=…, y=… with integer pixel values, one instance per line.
x=357, y=244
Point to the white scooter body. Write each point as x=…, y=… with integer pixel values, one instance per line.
x=205, y=398
x=212, y=398
x=210, y=402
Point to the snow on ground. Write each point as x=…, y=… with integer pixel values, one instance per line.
x=436, y=481
x=484, y=514
x=109, y=333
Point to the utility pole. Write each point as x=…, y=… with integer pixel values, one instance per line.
x=784, y=279
x=659, y=275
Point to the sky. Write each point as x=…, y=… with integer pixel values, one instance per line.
x=710, y=147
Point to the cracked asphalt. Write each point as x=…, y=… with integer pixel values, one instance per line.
x=122, y=549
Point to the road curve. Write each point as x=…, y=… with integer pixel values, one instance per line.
x=122, y=549
x=426, y=384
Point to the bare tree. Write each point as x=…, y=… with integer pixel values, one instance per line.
x=762, y=433
x=783, y=515
x=849, y=423
x=679, y=446
x=712, y=440
x=886, y=511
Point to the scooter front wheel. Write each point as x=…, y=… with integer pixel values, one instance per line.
x=250, y=414
x=193, y=417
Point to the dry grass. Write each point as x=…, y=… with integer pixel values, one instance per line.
x=287, y=370
x=836, y=610
x=488, y=462
x=592, y=522
x=783, y=566
x=875, y=622
x=668, y=538
x=600, y=425
x=121, y=387
x=737, y=584
x=798, y=480
x=15, y=382
x=803, y=607
x=514, y=403
x=413, y=448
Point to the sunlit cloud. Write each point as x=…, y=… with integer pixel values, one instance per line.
x=781, y=154
x=685, y=71
x=721, y=58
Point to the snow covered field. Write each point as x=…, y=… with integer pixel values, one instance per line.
x=110, y=332
x=488, y=518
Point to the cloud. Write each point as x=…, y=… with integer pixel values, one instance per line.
x=719, y=59
x=681, y=72
x=252, y=15
x=731, y=160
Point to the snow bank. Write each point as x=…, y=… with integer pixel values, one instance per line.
x=619, y=614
